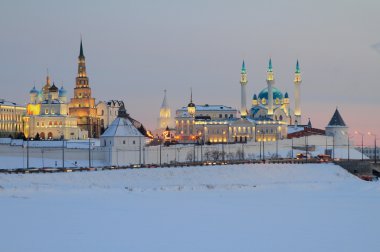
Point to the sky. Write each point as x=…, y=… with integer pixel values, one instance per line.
x=136, y=49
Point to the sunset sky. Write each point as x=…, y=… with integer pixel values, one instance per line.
x=136, y=49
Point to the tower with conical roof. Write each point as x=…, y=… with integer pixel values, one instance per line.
x=337, y=128
x=297, y=95
x=165, y=114
x=243, y=84
x=82, y=105
x=270, y=82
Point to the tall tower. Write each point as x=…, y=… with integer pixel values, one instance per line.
x=243, y=83
x=270, y=82
x=191, y=105
x=165, y=114
x=297, y=98
x=82, y=105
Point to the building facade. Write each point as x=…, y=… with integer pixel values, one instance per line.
x=107, y=112
x=47, y=115
x=82, y=106
x=11, y=123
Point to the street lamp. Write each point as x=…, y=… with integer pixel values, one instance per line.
x=371, y=134
x=359, y=133
x=262, y=140
x=348, y=144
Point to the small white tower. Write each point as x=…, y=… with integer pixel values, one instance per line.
x=243, y=83
x=297, y=95
x=338, y=129
x=270, y=82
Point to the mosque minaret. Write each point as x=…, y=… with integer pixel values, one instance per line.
x=270, y=82
x=243, y=83
x=297, y=102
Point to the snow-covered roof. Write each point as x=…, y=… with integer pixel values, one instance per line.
x=9, y=103
x=208, y=107
x=121, y=127
x=293, y=129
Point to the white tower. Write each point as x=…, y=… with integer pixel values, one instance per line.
x=243, y=83
x=297, y=98
x=270, y=82
x=165, y=114
x=338, y=129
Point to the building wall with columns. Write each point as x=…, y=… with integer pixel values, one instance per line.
x=11, y=122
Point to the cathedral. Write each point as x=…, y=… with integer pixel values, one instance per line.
x=47, y=115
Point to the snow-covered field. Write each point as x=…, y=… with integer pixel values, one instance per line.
x=313, y=207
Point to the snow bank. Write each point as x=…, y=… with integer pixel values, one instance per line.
x=178, y=179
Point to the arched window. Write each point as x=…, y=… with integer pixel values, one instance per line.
x=50, y=135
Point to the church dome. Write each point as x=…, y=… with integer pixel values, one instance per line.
x=276, y=94
x=191, y=105
x=286, y=95
x=62, y=92
x=33, y=91
x=53, y=88
x=254, y=97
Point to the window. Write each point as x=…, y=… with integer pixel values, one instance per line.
x=220, y=116
x=46, y=111
x=225, y=116
x=123, y=141
x=134, y=142
x=38, y=124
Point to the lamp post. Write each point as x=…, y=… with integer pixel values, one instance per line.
x=359, y=133
x=348, y=144
x=371, y=134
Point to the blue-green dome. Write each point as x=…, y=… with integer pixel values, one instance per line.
x=286, y=96
x=33, y=91
x=254, y=97
x=276, y=94
x=62, y=92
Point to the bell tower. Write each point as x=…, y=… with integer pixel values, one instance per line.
x=82, y=105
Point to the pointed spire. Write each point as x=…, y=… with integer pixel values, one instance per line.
x=191, y=95
x=164, y=102
x=298, y=68
x=243, y=70
x=81, y=55
x=270, y=69
x=336, y=119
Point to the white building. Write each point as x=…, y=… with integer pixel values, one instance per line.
x=11, y=118
x=48, y=115
x=122, y=141
x=107, y=112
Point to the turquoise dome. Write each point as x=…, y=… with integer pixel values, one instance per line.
x=276, y=94
x=62, y=92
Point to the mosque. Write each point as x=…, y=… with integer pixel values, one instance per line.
x=267, y=119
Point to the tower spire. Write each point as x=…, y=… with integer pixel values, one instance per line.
x=191, y=95
x=81, y=55
x=297, y=95
x=270, y=82
x=243, y=84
